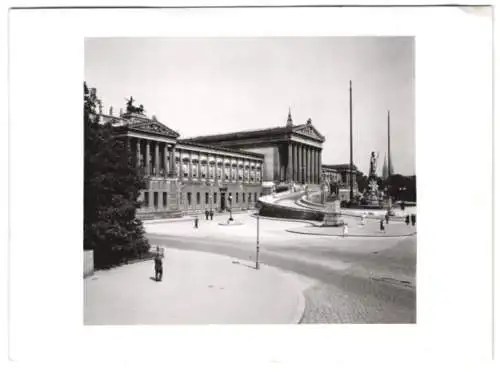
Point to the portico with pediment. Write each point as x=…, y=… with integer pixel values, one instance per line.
x=186, y=177
x=292, y=153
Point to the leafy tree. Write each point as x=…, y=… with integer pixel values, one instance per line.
x=403, y=187
x=362, y=181
x=111, y=188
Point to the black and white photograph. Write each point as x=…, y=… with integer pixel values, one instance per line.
x=249, y=180
x=292, y=186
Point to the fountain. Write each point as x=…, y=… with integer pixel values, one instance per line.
x=373, y=196
x=332, y=215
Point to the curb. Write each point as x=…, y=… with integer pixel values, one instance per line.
x=301, y=306
x=353, y=235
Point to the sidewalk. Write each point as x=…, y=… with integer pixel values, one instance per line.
x=370, y=230
x=190, y=217
x=197, y=288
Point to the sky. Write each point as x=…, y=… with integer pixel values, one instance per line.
x=200, y=86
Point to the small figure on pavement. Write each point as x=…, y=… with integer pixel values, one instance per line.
x=345, y=230
x=382, y=227
x=196, y=222
x=206, y=214
x=387, y=218
x=211, y=215
x=363, y=220
x=158, y=266
x=413, y=219
x=407, y=219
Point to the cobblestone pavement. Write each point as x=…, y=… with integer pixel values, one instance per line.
x=355, y=280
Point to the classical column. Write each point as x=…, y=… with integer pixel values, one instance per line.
x=157, y=159
x=173, y=169
x=148, y=159
x=199, y=165
x=165, y=160
x=319, y=164
x=138, y=153
x=223, y=171
x=289, y=176
x=312, y=164
x=294, y=162
x=307, y=168
x=216, y=169
x=299, y=163
x=315, y=165
x=190, y=166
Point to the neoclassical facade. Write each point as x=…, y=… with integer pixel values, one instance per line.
x=186, y=177
x=292, y=153
x=218, y=172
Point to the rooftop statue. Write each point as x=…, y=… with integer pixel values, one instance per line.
x=132, y=109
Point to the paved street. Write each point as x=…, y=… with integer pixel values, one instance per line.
x=356, y=280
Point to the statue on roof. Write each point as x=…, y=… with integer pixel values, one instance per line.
x=132, y=109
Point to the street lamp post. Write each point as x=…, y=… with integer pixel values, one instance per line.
x=230, y=208
x=257, y=264
x=389, y=198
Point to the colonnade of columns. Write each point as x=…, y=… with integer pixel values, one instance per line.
x=162, y=159
x=304, y=163
x=161, y=163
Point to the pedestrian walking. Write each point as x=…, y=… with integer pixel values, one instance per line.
x=345, y=230
x=158, y=267
x=413, y=219
x=407, y=219
x=211, y=215
x=196, y=222
x=382, y=227
x=387, y=218
x=363, y=220
x=206, y=214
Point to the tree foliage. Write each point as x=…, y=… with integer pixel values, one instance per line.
x=111, y=189
x=403, y=187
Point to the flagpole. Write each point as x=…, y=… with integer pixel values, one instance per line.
x=351, y=192
x=389, y=160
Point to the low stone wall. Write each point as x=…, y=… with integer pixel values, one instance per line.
x=286, y=212
x=88, y=263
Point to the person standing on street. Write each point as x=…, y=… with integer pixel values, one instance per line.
x=407, y=220
x=382, y=227
x=196, y=222
x=345, y=230
x=206, y=214
x=387, y=218
x=211, y=215
x=158, y=266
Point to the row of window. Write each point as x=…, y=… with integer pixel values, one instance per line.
x=228, y=174
x=146, y=202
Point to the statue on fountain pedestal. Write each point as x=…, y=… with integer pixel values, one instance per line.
x=372, y=195
x=373, y=165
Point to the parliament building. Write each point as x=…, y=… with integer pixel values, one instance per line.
x=217, y=172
